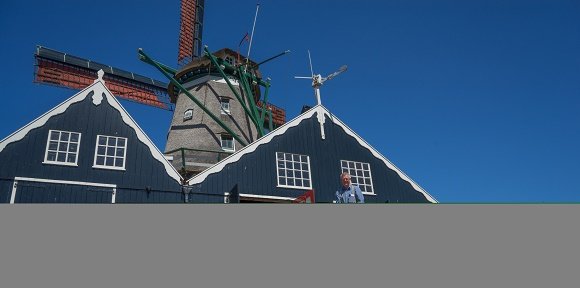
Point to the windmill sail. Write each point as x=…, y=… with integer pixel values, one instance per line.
x=65, y=70
x=190, y=31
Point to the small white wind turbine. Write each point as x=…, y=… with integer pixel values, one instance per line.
x=318, y=80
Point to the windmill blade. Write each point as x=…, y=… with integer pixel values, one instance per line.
x=65, y=70
x=190, y=31
x=340, y=70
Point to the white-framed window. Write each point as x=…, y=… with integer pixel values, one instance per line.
x=293, y=170
x=188, y=114
x=62, y=148
x=225, y=105
x=110, y=152
x=360, y=174
x=230, y=60
x=227, y=142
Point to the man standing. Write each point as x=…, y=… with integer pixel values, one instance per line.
x=348, y=193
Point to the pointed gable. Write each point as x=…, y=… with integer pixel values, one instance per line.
x=97, y=93
x=318, y=131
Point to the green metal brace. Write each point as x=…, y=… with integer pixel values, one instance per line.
x=143, y=57
x=240, y=99
x=250, y=96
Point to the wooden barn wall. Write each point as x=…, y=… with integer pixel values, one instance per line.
x=255, y=173
x=35, y=192
x=144, y=179
x=5, y=190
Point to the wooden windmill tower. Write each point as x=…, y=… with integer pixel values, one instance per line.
x=216, y=98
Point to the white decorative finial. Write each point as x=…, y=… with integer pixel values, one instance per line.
x=97, y=98
x=100, y=74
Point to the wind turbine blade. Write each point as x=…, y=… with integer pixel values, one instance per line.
x=340, y=70
x=311, y=69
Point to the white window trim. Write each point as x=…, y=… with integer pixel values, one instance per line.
x=188, y=117
x=290, y=186
x=370, y=176
x=46, y=161
x=16, y=179
x=222, y=110
x=233, y=143
x=109, y=167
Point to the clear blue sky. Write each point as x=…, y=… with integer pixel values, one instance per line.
x=477, y=101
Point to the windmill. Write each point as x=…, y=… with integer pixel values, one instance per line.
x=216, y=99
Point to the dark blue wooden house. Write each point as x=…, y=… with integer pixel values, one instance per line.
x=85, y=150
x=308, y=153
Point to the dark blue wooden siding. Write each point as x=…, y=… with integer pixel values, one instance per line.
x=5, y=190
x=35, y=192
x=24, y=158
x=255, y=173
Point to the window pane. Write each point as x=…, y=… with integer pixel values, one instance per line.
x=102, y=140
x=74, y=137
x=64, y=136
x=290, y=182
x=54, y=135
x=72, y=147
x=109, y=161
x=304, y=158
x=119, y=162
x=367, y=174
x=282, y=181
x=298, y=182
x=112, y=141
x=61, y=157
x=358, y=165
x=298, y=174
x=281, y=164
x=110, y=151
x=62, y=146
x=51, y=156
x=306, y=175
x=304, y=167
x=120, y=151
x=279, y=156
x=100, y=160
x=101, y=150
x=71, y=158
x=306, y=183
x=52, y=145
x=121, y=142
x=282, y=172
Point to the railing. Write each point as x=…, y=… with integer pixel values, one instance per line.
x=190, y=160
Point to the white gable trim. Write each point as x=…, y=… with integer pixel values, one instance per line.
x=98, y=88
x=377, y=154
x=321, y=110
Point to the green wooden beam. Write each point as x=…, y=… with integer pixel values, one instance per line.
x=240, y=99
x=248, y=89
